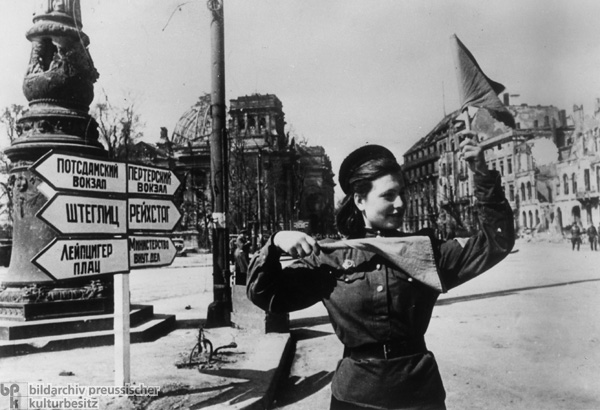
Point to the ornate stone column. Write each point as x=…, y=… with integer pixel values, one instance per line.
x=59, y=87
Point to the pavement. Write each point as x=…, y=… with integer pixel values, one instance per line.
x=242, y=374
x=524, y=337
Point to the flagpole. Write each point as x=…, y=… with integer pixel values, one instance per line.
x=468, y=121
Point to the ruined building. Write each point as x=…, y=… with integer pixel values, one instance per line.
x=274, y=182
x=550, y=166
x=576, y=174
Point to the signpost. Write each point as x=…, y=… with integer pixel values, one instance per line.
x=151, y=181
x=80, y=173
x=150, y=251
x=90, y=208
x=151, y=214
x=70, y=214
x=74, y=258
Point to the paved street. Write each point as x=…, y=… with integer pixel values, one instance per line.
x=176, y=289
x=525, y=335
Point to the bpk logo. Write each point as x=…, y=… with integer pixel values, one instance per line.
x=14, y=393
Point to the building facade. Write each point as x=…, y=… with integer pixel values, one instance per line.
x=577, y=173
x=440, y=188
x=274, y=183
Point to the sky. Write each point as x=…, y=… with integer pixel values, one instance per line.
x=348, y=72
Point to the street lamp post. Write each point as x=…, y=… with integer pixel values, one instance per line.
x=219, y=310
x=259, y=195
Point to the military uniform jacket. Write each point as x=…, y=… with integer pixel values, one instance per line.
x=371, y=300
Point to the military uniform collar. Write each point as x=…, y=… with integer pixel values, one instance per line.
x=378, y=233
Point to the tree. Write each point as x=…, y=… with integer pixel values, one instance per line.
x=119, y=127
x=243, y=183
x=9, y=118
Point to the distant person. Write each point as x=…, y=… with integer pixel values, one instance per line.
x=241, y=258
x=232, y=248
x=379, y=286
x=575, y=236
x=593, y=237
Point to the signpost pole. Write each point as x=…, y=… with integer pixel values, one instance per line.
x=78, y=219
x=121, y=327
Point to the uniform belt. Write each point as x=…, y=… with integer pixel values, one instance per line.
x=387, y=350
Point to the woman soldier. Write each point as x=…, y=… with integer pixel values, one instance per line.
x=379, y=286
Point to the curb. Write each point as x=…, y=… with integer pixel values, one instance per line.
x=275, y=362
x=282, y=368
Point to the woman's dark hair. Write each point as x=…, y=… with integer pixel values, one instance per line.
x=349, y=219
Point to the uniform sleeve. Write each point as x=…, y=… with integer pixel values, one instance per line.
x=276, y=289
x=461, y=259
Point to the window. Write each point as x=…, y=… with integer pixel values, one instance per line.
x=522, y=191
x=509, y=165
x=530, y=219
x=574, y=182
x=586, y=179
x=566, y=184
x=511, y=192
x=528, y=190
x=501, y=167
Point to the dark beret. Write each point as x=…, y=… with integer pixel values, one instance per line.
x=359, y=157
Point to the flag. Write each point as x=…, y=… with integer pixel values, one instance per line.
x=475, y=88
x=411, y=254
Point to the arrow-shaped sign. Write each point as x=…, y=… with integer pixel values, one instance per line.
x=69, y=214
x=151, y=181
x=71, y=258
x=146, y=214
x=77, y=173
x=150, y=251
